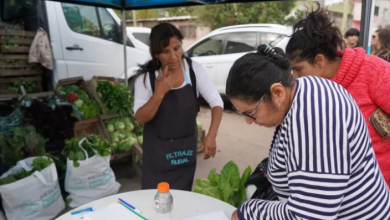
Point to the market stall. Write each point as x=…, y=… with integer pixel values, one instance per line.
x=66, y=128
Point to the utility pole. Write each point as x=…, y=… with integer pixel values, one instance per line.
x=134, y=18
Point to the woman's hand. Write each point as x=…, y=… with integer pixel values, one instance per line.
x=234, y=216
x=209, y=145
x=163, y=83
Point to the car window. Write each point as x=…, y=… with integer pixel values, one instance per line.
x=108, y=25
x=82, y=19
x=241, y=42
x=143, y=37
x=209, y=47
x=271, y=38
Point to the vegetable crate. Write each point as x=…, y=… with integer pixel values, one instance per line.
x=92, y=85
x=11, y=85
x=87, y=127
x=201, y=135
x=15, y=41
x=18, y=65
x=78, y=81
x=115, y=138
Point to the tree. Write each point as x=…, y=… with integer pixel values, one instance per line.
x=216, y=16
x=128, y=14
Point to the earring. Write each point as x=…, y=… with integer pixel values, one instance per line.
x=279, y=106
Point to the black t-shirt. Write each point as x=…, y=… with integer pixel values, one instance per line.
x=385, y=55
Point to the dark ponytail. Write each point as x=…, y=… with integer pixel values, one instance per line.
x=252, y=75
x=159, y=39
x=314, y=35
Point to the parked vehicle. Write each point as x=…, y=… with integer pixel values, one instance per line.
x=222, y=47
x=86, y=41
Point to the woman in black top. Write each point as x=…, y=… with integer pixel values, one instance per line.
x=381, y=44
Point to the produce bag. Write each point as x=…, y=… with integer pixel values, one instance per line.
x=37, y=196
x=91, y=180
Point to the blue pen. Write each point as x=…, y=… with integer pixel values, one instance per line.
x=130, y=206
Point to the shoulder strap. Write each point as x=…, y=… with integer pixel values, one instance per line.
x=192, y=75
x=152, y=78
x=193, y=79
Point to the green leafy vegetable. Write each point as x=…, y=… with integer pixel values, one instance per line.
x=227, y=186
x=92, y=145
x=121, y=134
x=88, y=107
x=116, y=98
x=242, y=191
x=20, y=143
x=41, y=163
x=38, y=164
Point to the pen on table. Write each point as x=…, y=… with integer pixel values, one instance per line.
x=131, y=210
x=132, y=207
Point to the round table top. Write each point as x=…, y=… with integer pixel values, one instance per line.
x=185, y=204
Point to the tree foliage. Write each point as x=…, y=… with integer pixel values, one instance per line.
x=216, y=16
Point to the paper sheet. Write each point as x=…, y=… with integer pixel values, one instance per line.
x=218, y=215
x=115, y=211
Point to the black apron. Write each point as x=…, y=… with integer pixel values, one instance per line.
x=170, y=139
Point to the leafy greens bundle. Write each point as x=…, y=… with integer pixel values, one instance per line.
x=227, y=186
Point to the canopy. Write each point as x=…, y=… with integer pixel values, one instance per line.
x=144, y=4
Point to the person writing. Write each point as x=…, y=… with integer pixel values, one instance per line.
x=321, y=162
x=166, y=102
x=313, y=51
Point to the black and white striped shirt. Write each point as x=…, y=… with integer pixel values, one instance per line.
x=321, y=162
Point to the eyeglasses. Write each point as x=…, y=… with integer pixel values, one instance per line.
x=250, y=115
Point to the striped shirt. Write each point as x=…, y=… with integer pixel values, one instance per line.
x=321, y=162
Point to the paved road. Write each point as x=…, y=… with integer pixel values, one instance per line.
x=245, y=144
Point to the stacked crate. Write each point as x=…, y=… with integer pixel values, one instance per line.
x=15, y=70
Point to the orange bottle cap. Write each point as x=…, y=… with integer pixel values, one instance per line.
x=163, y=187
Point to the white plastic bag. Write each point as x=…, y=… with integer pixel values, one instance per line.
x=92, y=180
x=37, y=196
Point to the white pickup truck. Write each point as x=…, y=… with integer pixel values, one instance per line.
x=86, y=41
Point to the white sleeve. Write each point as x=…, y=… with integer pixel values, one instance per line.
x=205, y=87
x=142, y=92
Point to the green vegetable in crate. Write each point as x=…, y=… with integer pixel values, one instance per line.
x=78, y=103
x=125, y=145
x=89, y=108
x=227, y=186
x=29, y=86
x=79, y=98
x=119, y=125
x=115, y=98
x=19, y=143
x=140, y=139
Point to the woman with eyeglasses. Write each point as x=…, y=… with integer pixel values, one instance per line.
x=321, y=162
x=381, y=44
x=166, y=102
x=313, y=50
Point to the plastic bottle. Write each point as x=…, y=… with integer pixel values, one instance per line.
x=163, y=202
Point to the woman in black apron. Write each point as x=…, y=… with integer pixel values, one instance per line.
x=166, y=102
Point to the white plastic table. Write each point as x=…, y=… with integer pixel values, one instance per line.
x=185, y=204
